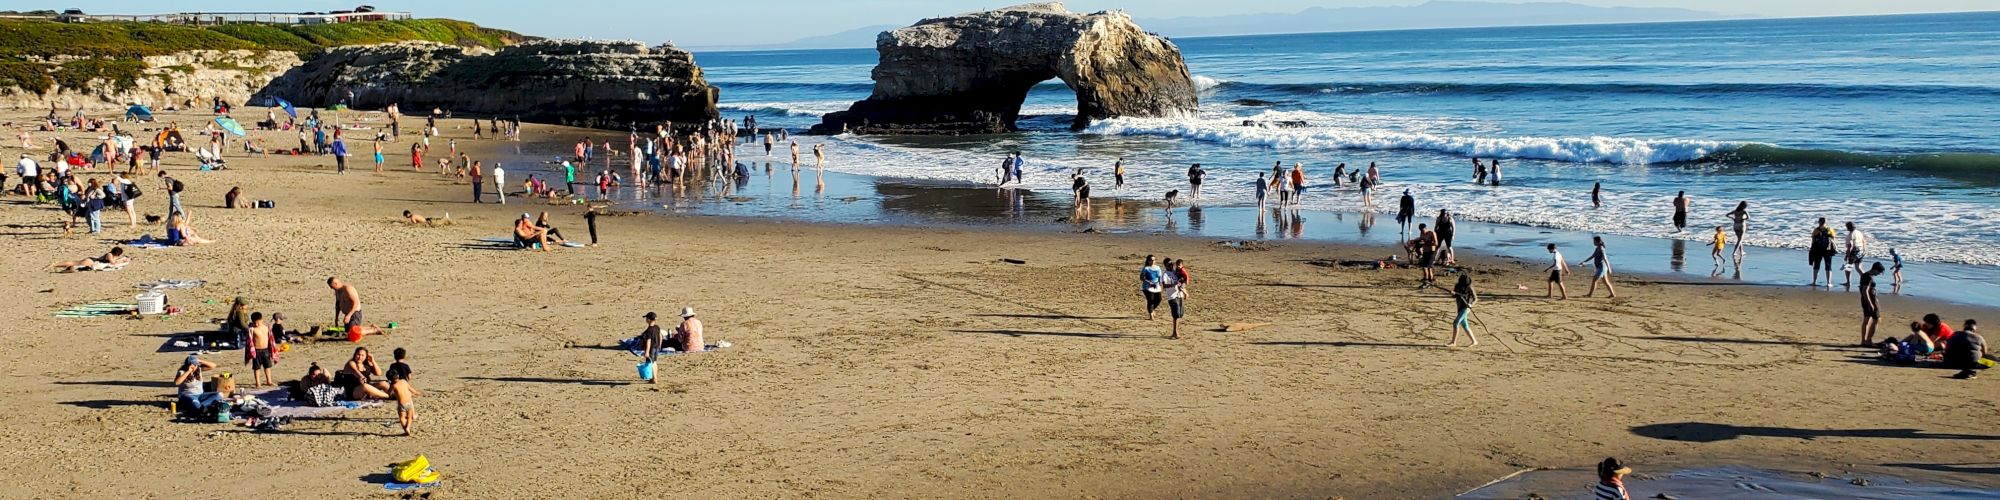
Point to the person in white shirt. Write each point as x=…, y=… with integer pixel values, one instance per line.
x=30, y=172
x=500, y=183
x=1557, y=268
x=1857, y=244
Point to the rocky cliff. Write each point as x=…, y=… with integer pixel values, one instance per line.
x=969, y=73
x=98, y=84
x=585, y=83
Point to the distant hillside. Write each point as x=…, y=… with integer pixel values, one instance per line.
x=857, y=38
x=1433, y=14
x=35, y=39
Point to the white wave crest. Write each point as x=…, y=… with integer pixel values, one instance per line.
x=793, y=108
x=1204, y=84
x=1324, y=135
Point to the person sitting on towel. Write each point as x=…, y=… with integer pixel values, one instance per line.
x=528, y=235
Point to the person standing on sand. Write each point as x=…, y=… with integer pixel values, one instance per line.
x=347, y=309
x=417, y=156
x=379, y=160
x=1602, y=265
x=1463, y=295
x=1821, y=253
x=1871, y=309
x=1426, y=248
x=478, y=183
x=339, y=155
x=405, y=394
x=1557, y=268
x=1611, y=480
x=1740, y=219
x=651, y=341
x=500, y=183
x=1446, y=228
x=590, y=220
x=1118, y=175
x=260, y=351
x=1151, y=283
x=1680, y=212
x=1176, y=294
x=1857, y=245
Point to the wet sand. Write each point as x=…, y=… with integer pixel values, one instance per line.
x=898, y=360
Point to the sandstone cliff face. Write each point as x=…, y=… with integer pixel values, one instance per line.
x=607, y=84
x=970, y=73
x=168, y=80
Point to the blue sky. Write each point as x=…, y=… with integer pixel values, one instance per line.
x=748, y=22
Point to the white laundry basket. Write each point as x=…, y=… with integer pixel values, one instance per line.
x=152, y=303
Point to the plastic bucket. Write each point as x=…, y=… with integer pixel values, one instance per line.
x=646, y=370
x=152, y=303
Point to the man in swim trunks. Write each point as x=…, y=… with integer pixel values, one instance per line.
x=1426, y=248
x=347, y=309
x=405, y=394
x=1557, y=268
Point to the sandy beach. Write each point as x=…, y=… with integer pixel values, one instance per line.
x=874, y=361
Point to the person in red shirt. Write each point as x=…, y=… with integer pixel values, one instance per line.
x=1936, y=328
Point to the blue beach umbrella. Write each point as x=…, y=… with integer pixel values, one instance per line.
x=230, y=125
x=282, y=103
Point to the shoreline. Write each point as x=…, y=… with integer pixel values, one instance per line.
x=878, y=360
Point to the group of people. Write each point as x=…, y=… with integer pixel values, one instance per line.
x=1165, y=281
x=205, y=393
x=1931, y=340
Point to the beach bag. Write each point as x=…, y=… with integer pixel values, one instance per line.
x=221, y=411
x=323, y=395
x=646, y=370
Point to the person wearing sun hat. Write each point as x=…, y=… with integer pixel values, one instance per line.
x=688, y=336
x=1611, y=480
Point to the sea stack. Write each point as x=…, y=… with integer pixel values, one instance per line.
x=571, y=82
x=968, y=74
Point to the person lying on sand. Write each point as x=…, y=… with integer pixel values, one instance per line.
x=414, y=219
x=115, y=258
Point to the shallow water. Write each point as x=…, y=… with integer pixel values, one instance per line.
x=1881, y=120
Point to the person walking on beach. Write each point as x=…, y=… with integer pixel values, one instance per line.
x=767, y=144
x=1463, y=295
x=1597, y=195
x=1557, y=268
x=339, y=155
x=1447, y=227
x=1857, y=244
x=1151, y=283
x=1871, y=309
x=1278, y=183
x=1406, y=212
x=404, y=393
x=1367, y=192
x=1739, y=219
x=500, y=183
x=1680, y=212
x=1263, y=187
x=347, y=309
x=1601, y=263
x=1118, y=175
x=1896, y=271
x=1018, y=165
x=1298, y=182
x=1195, y=174
x=1176, y=293
x=1821, y=253
x=1611, y=480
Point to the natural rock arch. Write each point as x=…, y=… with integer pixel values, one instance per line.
x=970, y=73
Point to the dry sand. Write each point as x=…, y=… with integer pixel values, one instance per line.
x=914, y=362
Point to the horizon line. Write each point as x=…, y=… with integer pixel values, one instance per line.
x=1723, y=19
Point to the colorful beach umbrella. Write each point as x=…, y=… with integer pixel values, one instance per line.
x=282, y=103
x=230, y=125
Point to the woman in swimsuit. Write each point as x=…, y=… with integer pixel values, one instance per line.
x=353, y=378
x=1740, y=218
x=1602, y=263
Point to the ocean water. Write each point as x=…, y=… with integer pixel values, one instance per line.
x=1888, y=121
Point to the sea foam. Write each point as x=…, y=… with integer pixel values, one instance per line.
x=1265, y=132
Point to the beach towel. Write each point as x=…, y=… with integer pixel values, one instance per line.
x=97, y=309
x=395, y=486
x=146, y=241
x=283, y=406
x=633, y=345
